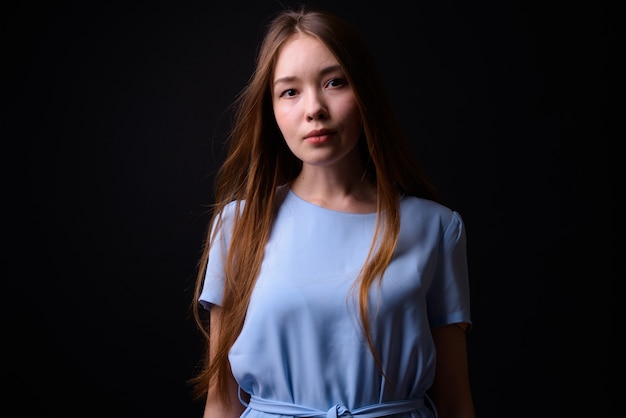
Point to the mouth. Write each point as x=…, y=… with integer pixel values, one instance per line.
x=318, y=136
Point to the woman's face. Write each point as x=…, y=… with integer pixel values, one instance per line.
x=314, y=106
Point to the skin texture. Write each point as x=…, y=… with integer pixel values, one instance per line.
x=311, y=94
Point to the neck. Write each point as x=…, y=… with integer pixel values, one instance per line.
x=342, y=192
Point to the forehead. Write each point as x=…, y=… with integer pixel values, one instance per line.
x=302, y=53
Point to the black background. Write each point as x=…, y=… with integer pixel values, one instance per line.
x=120, y=109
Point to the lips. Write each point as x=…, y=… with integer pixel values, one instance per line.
x=318, y=136
x=318, y=133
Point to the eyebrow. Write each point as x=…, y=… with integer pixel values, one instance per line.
x=323, y=72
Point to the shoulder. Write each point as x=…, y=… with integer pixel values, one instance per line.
x=428, y=214
x=225, y=217
x=229, y=209
x=411, y=206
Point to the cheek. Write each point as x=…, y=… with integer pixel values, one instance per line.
x=283, y=118
x=346, y=106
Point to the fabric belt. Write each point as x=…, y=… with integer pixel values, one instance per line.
x=336, y=411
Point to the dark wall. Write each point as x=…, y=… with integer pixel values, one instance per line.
x=120, y=110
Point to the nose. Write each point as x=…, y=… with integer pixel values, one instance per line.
x=316, y=108
x=321, y=115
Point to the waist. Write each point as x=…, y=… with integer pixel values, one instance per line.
x=336, y=411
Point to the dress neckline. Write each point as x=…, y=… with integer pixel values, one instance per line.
x=322, y=208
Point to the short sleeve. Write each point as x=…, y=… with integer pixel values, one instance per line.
x=213, y=286
x=448, y=297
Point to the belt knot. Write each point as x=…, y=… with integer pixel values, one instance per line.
x=337, y=411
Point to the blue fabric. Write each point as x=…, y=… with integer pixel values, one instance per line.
x=302, y=342
x=335, y=411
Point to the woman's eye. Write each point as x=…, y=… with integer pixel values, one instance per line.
x=336, y=82
x=288, y=92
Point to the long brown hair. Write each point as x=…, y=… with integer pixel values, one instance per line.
x=258, y=162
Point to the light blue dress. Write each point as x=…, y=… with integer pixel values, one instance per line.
x=302, y=352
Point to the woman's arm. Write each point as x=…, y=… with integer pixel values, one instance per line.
x=214, y=407
x=450, y=391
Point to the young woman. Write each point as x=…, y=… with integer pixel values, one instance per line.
x=334, y=279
